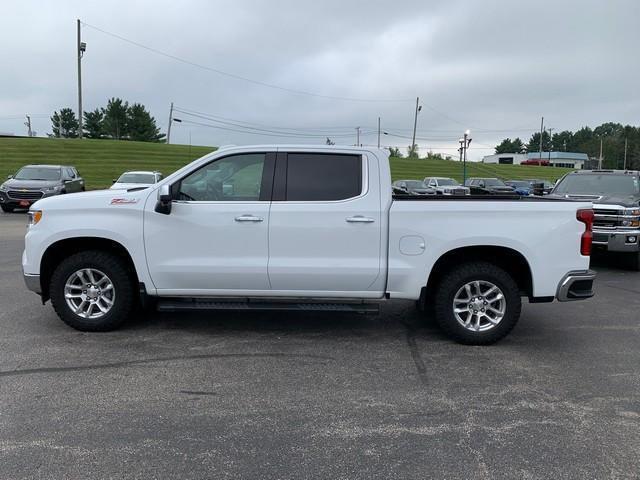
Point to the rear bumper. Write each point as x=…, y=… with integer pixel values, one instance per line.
x=576, y=286
x=617, y=241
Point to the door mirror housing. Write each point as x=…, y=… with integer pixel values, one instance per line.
x=164, y=200
x=9, y=177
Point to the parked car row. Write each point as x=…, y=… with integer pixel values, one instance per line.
x=34, y=182
x=473, y=186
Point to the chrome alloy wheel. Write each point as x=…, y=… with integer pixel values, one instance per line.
x=479, y=306
x=89, y=293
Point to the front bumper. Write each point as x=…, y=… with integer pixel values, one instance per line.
x=618, y=240
x=576, y=286
x=32, y=282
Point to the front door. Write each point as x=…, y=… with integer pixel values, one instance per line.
x=215, y=240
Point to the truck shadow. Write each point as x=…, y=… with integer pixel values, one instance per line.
x=394, y=316
x=610, y=260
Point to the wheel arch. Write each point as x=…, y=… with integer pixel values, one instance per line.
x=58, y=251
x=510, y=260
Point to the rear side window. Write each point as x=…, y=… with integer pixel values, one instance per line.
x=323, y=177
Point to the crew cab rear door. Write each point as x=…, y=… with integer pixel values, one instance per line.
x=325, y=225
x=215, y=239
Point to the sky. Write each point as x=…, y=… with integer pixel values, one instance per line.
x=297, y=71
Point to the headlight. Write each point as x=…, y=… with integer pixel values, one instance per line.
x=54, y=188
x=3, y=187
x=34, y=217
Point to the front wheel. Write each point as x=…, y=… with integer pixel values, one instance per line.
x=634, y=261
x=92, y=291
x=477, y=303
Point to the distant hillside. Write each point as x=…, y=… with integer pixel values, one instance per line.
x=100, y=161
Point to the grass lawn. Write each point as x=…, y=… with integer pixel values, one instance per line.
x=100, y=161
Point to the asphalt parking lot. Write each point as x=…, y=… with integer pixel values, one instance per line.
x=288, y=395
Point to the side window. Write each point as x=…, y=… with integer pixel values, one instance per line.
x=323, y=177
x=233, y=178
x=481, y=183
x=432, y=183
x=72, y=173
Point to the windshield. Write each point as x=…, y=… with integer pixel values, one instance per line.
x=494, y=182
x=137, y=178
x=38, y=173
x=414, y=184
x=599, y=184
x=443, y=182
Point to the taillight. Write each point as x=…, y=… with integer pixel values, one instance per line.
x=586, y=216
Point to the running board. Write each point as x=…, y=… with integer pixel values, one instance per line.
x=178, y=305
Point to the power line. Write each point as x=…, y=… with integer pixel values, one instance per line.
x=265, y=134
x=240, y=77
x=249, y=129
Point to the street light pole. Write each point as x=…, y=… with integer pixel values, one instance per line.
x=467, y=140
x=80, y=50
x=541, y=130
x=600, y=158
x=378, y=132
x=357, y=136
x=625, y=154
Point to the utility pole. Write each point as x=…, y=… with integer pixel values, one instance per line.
x=600, y=159
x=541, y=130
x=625, y=154
x=378, y=132
x=81, y=47
x=415, y=124
x=170, y=121
x=550, y=143
x=28, y=125
x=357, y=136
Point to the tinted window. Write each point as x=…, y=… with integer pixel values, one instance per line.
x=234, y=178
x=323, y=177
x=448, y=182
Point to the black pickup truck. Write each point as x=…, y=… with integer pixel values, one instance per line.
x=616, y=204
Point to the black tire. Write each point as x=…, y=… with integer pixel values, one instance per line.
x=633, y=261
x=6, y=208
x=115, y=268
x=455, y=280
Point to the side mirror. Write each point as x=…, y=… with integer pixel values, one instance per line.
x=114, y=180
x=164, y=200
x=9, y=177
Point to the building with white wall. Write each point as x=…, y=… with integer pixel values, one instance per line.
x=553, y=159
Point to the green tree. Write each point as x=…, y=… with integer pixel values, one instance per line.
x=141, y=126
x=534, y=142
x=395, y=152
x=64, y=124
x=412, y=151
x=510, y=146
x=114, y=124
x=93, y=123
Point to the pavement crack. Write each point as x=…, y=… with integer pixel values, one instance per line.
x=146, y=361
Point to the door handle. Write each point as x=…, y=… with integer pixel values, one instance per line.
x=248, y=218
x=360, y=219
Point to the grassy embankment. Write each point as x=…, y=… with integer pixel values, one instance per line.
x=100, y=161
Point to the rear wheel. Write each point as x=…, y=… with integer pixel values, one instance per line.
x=6, y=208
x=477, y=303
x=92, y=291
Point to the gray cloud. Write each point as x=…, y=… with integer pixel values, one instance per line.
x=492, y=66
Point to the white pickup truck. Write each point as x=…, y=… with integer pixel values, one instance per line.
x=298, y=227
